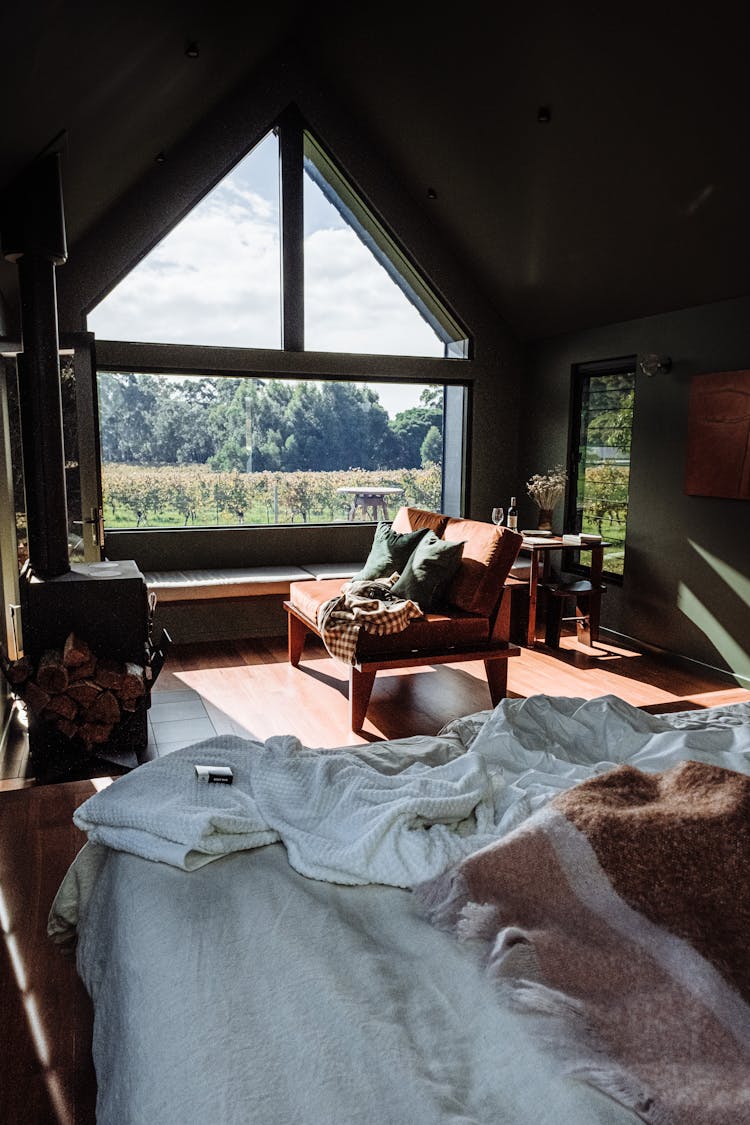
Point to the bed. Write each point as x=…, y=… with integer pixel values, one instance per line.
x=290, y=953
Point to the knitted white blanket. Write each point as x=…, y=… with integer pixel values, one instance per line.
x=340, y=818
x=348, y=820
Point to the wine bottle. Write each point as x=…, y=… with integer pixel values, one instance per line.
x=513, y=515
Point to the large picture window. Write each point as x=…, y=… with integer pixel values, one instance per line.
x=192, y=450
x=602, y=426
x=283, y=255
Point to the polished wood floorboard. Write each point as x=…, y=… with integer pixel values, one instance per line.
x=252, y=684
x=46, y=1074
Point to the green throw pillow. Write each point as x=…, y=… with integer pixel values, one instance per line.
x=429, y=570
x=390, y=551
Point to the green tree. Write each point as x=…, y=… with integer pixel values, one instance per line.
x=127, y=406
x=431, y=451
x=410, y=428
x=606, y=496
x=432, y=398
x=610, y=412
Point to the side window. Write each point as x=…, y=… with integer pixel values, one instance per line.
x=601, y=432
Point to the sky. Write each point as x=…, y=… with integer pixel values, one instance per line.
x=215, y=280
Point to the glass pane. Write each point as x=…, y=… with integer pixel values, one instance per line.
x=16, y=460
x=215, y=279
x=10, y=559
x=76, y=526
x=606, y=426
x=351, y=302
x=70, y=448
x=192, y=450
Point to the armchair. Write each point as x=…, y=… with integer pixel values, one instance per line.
x=473, y=622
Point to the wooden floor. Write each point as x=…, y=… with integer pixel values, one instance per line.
x=46, y=1075
x=251, y=684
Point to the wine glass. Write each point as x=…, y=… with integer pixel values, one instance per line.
x=497, y=516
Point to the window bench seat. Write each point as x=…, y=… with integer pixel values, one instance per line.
x=171, y=586
x=216, y=603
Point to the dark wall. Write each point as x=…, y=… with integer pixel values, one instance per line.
x=687, y=566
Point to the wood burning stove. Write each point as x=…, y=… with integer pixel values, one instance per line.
x=88, y=667
x=86, y=627
x=91, y=664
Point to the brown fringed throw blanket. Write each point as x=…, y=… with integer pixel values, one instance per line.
x=620, y=913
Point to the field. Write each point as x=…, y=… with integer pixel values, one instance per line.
x=194, y=496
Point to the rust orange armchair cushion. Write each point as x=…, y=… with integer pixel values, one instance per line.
x=488, y=554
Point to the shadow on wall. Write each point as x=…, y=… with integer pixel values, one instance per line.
x=723, y=613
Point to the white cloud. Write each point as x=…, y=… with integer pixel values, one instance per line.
x=215, y=280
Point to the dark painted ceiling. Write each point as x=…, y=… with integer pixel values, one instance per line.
x=630, y=201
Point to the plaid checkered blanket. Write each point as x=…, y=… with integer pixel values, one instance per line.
x=362, y=605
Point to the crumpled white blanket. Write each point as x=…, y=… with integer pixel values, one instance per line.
x=340, y=818
x=344, y=820
x=536, y=747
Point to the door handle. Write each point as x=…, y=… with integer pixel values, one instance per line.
x=96, y=522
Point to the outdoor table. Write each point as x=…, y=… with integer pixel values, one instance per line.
x=374, y=499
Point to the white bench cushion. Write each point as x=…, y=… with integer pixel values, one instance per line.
x=321, y=571
x=227, y=582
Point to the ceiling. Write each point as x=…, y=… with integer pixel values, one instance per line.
x=630, y=201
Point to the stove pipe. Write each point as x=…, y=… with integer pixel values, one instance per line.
x=33, y=236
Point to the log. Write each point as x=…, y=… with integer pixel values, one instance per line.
x=51, y=674
x=130, y=703
x=109, y=673
x=83, y=671
x=67, y=727
x=134, y=681
x=94, y=733
x=18, y=671
x=35, y=698
x=83, y=692
x=76, y=651
x=105, y=709
x=60, y=706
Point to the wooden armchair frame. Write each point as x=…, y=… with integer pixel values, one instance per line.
x=495, y=654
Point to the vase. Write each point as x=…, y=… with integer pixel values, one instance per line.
x=544, y=523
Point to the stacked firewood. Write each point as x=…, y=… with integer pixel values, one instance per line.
x=82, y=695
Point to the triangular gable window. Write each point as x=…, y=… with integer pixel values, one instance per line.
x=216, y=278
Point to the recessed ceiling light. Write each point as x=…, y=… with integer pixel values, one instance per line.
x=192, y=51
x=431, y=193
x=160, y=158
x=544, y=114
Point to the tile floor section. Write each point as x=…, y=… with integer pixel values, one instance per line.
x=181, y=717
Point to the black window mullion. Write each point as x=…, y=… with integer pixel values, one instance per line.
x=290, y=130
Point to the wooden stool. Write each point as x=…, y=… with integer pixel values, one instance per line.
x=587, y=599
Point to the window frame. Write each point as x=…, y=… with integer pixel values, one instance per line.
x=580, y=373
x=455, y=420
x=298, y=145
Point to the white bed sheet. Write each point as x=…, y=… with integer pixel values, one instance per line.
x=243, y=992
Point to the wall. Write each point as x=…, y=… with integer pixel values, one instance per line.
x=687, y=571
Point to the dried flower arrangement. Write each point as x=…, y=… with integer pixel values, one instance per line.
x=545, y=489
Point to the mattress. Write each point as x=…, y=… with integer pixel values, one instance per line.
x=245, y=992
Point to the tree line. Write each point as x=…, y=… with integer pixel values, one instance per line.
x=247, y=424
